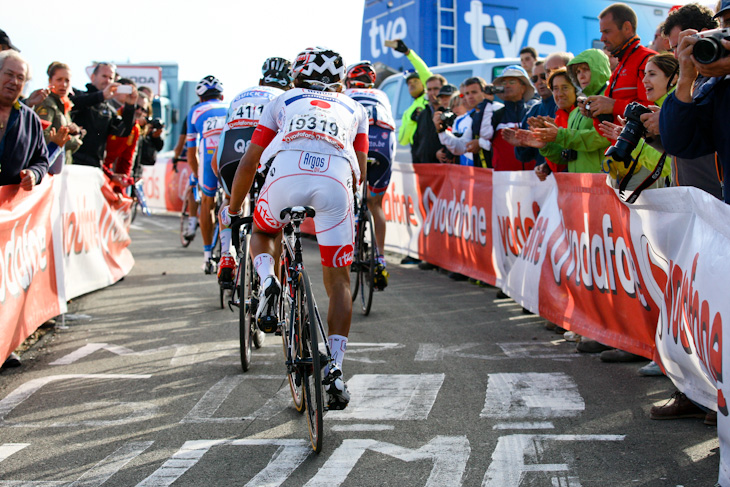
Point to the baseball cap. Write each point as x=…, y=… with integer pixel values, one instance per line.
x=516, y=71
x=447, y=90
x=410, y=74
x=724, y=8
x=4, y=39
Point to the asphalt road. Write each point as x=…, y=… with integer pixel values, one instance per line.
x=450, y=387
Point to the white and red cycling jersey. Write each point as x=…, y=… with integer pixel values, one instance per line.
x=376, y=104
x=315, y=121
x=312, y=137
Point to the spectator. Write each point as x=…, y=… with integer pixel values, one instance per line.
x=579, y=145
x=121, y=151
x=528, y=58
x=556, y=61
x=700, y=172
x=661, y=42
x=23, y=153
x=693, y=124
x=56, y=109
x=660, y=80
x=426, y=146
x=462, y=140
x=150, y=141
x=546, y=107
x=5, y=43
x=38, y=95
x=93, y=112
x=517, y=97
x=618, y=33
x=416, y=82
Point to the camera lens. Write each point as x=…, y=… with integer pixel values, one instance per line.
x=707, y=50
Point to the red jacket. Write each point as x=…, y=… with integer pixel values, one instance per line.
x=625, y=84
x=120, y=152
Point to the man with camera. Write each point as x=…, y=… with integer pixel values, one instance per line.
x=426, y=146
x=93, y=112
x=693, y=121
x=618, y=33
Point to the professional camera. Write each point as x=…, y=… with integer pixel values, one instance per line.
x=493, y=90
x=630, y=135
x=568, y=155
x=709, y=48
x=603, y=117
x=447, y=117
x=156, y=123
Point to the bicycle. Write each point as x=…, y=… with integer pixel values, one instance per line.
x=245, y=294
x=139, y=201
x=185, y=240
x=301, y=328
x=365, y=255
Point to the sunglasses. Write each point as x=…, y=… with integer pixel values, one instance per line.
x=541, y=76
x=140, y=107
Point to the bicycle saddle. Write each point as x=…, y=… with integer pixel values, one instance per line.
x=297, y=212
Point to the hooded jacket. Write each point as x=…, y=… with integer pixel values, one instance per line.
x=581, y=135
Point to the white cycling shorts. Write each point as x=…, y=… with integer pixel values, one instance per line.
x=322, y=181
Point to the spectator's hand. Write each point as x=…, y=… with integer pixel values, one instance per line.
x=610, y=130
x=534, y=140
x=473, y=146
x=651, y=120
x=547, y=134
x=437, y=121
x=581, y=103
x=132, y=97
x=534, y=122
x=542, y=171
x=37, y=97
x=721, y=67
x=545, y=120
x=510, y=135
x=601, y=105
x=27, y=179
x=401, y=46
x=442, y=157
x=110, y=90
x=157, y=133
x=60, y=136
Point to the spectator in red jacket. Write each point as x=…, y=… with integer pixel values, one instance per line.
x=618, y=33
x=121, y=151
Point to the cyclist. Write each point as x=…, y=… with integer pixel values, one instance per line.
x=205, y=123
x=360, y=81
x=241, y=121
x=317, y=140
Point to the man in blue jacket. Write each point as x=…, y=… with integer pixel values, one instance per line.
x=695, y=124
x=23, y=153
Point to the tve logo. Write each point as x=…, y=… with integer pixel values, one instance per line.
x=394, y=29
x=478, y=20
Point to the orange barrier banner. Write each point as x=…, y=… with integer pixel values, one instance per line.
x=29, y=284
x=164, y=187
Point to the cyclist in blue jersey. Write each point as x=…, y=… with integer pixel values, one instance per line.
x=241, y=121
x=205, y=124
x=360, y=82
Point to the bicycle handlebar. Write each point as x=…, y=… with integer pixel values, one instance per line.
x=235, y=226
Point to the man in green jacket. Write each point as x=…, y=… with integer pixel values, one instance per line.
x=416, y=82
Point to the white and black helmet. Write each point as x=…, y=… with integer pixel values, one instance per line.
x=208, y=85
x=276, y=70
x=319, y=68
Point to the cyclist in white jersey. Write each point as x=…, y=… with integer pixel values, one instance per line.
x=360, y=83
x=205, y=124
x=317, y=141
x=241, y=121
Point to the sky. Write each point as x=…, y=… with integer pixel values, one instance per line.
x=229, y=39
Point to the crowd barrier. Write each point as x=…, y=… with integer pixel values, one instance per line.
x=648, y=278
x=66, y=237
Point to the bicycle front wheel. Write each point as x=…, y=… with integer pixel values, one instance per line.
x=246, y=302
x=366, y=266
x=313, y=391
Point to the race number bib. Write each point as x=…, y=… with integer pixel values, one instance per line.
x=245, y=115
x=316, y=126
x=213, y=126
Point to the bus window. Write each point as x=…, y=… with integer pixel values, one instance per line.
x=404, y=100
x=456, y=77
x=390, y=90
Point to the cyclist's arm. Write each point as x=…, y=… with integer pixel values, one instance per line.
x=214, y=163
x=362, y=161
x=193, y=159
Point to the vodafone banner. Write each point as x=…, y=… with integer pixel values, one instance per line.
x=95, y=237
x=30, y=284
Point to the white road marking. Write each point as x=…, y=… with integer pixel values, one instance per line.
x=206, y=407
x=385, y=397
x=90, y=348
x=7, y=449
x=508, y=465
x=536, y=350
x=524, y=426
x=24, y=391
x=702, y=450
x=449, y=455
x=532, y=395
x=363, y=427
x=355, y=351
x=286, y=459
x=436, y=352
x=104, y=470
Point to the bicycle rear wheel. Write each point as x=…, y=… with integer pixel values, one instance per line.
x=366, y=266
x=246, y=302
x=313, y=390
x=293, y=373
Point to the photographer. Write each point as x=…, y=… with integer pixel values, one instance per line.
x=426, y=147
x=694, y=122
x=452, y=122
x=121, y=150
x=150, y=137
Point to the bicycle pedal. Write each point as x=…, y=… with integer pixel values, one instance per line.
x=268, y=324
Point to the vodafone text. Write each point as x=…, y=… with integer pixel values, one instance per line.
x=399, y=208
x=22, y=257
x=595, y=260
x=454, y=217
x=85, y=231
x=515, y=233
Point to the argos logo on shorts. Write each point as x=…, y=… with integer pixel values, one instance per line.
x=313, y=162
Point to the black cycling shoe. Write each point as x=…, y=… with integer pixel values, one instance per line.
x=381, y=277
x=266, y=316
